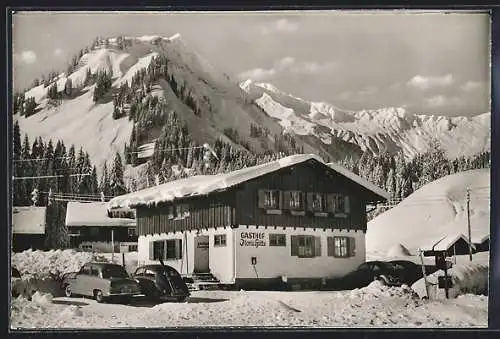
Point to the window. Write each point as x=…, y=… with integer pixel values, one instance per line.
x=114, y=271
x=158, y=250
x=318, y=202
x=277, y=240
x=174, y=249
x=74, y=233
x=132, y=248
x=178, y=212
x=86, y=270
x=269, y=199
x=94, y=271
x=219, y=240
x=340, y=204
x=340, y=247
x=132, y=232
x=296, y=200
x=305, y=246
x=170, y=212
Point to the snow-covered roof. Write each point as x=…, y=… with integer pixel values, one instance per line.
x=445, y=243
x=205, y=184
x=93, y=214
x=480, y=239
x=28, y=220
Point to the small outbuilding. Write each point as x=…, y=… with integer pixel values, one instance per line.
x=28, y=228
x=455, y=244
x=92, y=228
x=482, y=244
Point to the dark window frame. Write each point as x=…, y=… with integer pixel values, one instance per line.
x=277, y=239
x=296, y=200
x=271, y=199
x=220, y=240
x=339, y=247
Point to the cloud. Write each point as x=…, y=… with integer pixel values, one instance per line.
x=288, y=65
x=424, y=83
x=441, y=101
x=58, y=52
x=370, y=90
x=27, y=57
x=280, y=26
x=470, y=86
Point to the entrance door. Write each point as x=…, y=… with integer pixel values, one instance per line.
x=201, y=254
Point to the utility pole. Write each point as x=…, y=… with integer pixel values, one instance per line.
x=468, y=223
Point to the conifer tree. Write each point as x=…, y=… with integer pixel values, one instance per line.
x=117, y=184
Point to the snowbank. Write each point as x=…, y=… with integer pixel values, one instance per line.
x=468, y=278
x=47, y=264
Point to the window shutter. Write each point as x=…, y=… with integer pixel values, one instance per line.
x=178, y=249
x=352, y=246
x=302, y=201
x=261, y=198
x=330, y=203
x=281, y=196
x=151, y=251
x=309, y=202
x=317, y=246
x=329, y=242
x=164, y=254
x=347, y=208
x=286, y=200
x=294, y=245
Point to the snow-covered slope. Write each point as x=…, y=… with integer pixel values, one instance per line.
x=90, y=125
x=436, y=210
x=386, y=129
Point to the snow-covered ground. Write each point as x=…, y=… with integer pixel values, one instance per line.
x=435, y=211
x=372, y=306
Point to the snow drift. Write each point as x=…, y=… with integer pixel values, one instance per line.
x=433, y=212
x=467, y=278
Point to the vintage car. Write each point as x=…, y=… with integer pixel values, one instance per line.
x=385, y=272
x=101, y=281
x=161, y=282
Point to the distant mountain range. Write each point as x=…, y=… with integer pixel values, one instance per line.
x=212, y=104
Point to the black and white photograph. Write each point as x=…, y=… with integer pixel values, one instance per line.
x=271, y=169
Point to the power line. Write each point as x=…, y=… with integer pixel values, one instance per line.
x=51, y=176
x=167, y=149
x=40, y=159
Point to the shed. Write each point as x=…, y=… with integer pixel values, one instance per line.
x=28, y=227
x=92, y=227
x=455, y=244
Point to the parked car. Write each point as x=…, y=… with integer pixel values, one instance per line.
x=101, y=281
x=408, y=271
x=161, y=282
x=366, y=273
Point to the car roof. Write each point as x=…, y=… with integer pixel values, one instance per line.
x=154, y=266
x=102, y=264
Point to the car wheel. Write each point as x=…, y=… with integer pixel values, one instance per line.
x=99, y=297
x=67, y=291
x=181, y=299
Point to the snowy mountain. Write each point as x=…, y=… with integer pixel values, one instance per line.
x=80, y=121
x=214, y=106
x=386, y=129
x=435, y=211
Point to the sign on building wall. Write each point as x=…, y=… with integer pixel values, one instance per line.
x=253, y=239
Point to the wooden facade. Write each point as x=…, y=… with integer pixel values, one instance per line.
x=240, y=205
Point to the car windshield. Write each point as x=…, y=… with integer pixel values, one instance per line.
x=114, y=272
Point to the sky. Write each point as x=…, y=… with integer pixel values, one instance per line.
x=430, y=63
